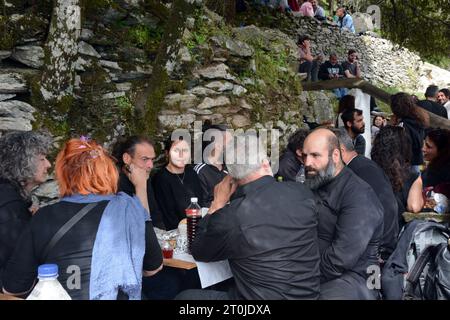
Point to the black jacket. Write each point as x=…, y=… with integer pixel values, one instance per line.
x=433, y=107
x=14, y=216
x=126, y=186
x=360, y=144
x=416, y=134
x=371, y=173
x=289, y=166
x=209, y=177
x=268, y=233
x=350, y=226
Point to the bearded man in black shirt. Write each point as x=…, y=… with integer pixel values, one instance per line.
x=267, y=230
x=350, y=221
x=140, y=152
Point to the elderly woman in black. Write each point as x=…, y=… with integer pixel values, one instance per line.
x=23, y=166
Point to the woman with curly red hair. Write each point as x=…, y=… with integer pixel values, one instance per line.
x=108, y=249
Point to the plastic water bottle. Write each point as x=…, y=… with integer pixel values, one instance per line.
x=193, y=215
x=48, y=287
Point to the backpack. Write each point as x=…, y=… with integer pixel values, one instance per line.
x=419, y=266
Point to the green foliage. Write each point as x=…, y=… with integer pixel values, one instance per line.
x=144, y=37
x=423, y=26
x=443, y=61
x=27, y=26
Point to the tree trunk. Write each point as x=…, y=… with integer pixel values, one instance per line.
x=230, y=10
x=331, y=7
x=61, y=50
x=152, y=97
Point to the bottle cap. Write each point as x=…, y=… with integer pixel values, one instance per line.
x=194, y=199
x=48, y=271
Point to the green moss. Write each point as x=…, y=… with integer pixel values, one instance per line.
x=95, y=8
x=154, y=104
x=27, y=26
x=145, y=37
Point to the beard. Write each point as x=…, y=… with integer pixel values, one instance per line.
x=322, y=177
x=357, y=131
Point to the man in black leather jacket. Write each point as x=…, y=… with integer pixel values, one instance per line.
x=350, y=221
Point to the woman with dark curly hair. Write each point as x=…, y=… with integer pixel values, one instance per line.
x=436, y=150
x=23, y=166
x=414, y=119
x=345, y=103
x=391, y=150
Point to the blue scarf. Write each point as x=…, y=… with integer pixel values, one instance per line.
x=119, y=247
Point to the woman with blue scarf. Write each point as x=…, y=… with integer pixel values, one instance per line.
x=109, y=244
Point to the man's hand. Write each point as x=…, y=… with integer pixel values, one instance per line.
x=222, y=193
x=137, y=176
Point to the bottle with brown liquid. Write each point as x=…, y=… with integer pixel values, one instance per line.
x=193, y=215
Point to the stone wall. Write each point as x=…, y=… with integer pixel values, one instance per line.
x=383, y=63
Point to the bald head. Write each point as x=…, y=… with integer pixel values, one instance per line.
x=321, y=156
x=323, y=138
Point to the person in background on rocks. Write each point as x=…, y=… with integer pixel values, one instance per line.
x=378, y=122
x=176, y=183
x=350, y=220
x=331, y=70
x=430, y=103
x=353, y=120
x=291, y=162
x=443, y=97
x=371, y=173
x=293, y=4
x=351, y=67
x=308, y=63
x=306, y=9
x=414, y=119
x=213, y=169
x=345, y=20
x=23, y=166
x=140, y=152
x=319, y=12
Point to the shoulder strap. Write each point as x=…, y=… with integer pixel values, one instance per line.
x=413, y=278
x=67, y=226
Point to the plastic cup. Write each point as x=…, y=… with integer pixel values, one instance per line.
x=167, y=250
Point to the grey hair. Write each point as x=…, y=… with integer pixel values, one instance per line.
x=244, y=155
x=344, y=139
x=18, y=156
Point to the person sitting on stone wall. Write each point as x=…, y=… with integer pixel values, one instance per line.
x=309, y=64
x=345, y=20
x=330, y=70
x=319, y=12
